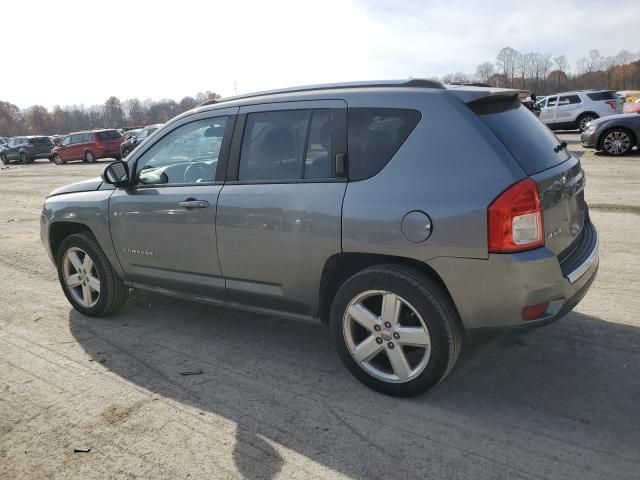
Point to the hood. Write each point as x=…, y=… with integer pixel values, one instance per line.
x=608, y=118
x=83, y=186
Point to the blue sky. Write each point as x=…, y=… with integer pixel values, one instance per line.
x=86, y=51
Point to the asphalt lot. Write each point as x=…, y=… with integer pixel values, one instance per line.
x=273, y=400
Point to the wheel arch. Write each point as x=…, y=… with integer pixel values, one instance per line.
x=58, y=231
x=340, y=267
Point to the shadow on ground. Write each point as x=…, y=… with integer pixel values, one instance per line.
x=549, y=403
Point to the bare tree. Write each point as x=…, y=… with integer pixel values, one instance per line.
x=484, y=71
x=135, y=112
x=506, y=61
x=562, y=63
x=113, y=114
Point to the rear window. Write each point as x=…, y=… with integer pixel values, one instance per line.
x=375, y=135
x=602, y=96
x=527, y=138
x=41, y=141
x=108, y=135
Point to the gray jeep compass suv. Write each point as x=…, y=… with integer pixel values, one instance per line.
x=400, y=213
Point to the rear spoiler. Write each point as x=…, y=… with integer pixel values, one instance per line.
x=470, y=94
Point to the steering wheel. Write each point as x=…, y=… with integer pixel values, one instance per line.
x=198, y=172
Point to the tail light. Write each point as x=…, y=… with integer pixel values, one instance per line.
x=514, y=219
x=612, y=103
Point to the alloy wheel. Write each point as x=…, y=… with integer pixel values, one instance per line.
x=386, y=336
x=90, y=158
x=57, y=159
x=81, y=277
x=583, y=123
x=616, y=142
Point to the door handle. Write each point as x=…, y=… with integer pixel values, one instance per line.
x=192, y=203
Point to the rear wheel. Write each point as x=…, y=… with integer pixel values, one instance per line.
x=87, y=278
x=395, y=329
x=89, y=157
x=617, y=142
x=584, y=119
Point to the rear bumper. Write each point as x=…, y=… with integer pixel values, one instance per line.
x=492, y=293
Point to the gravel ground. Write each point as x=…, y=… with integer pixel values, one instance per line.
x=273, y=400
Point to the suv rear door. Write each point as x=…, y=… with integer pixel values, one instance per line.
x=557, y=172
x=548, y=110
x=569, y=106
x=163, y=227
x=279, y=212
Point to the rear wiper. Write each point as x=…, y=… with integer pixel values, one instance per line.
x=562, y=145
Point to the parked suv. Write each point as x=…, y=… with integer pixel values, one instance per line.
x=88, y=146
x=572, y=110
x=26, y=149
x=133, y=141
x=400, y=213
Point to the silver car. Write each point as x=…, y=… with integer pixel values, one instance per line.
x=400, y=213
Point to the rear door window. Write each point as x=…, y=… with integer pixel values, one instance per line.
x=374, y=136
x=87, y=137
x=531, y=143
x=273, y=145
x=569, y=99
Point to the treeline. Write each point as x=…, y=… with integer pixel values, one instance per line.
x=544, y=73
x=37, y=120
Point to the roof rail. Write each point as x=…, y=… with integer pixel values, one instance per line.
x=412, y=82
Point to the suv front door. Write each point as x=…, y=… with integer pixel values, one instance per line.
x=548, y=110
x=279, y=212
x=163, y=227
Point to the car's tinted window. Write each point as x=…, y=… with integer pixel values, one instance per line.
x=87, y=137
x=318, y=155
x=570, y=99
x=108, y=134
x=273, y=145
x=77, y=138
x=41, y=141
x=188, y=154
x=527, y=138
x=374, y=136
x=552, y=101
x=602, y=96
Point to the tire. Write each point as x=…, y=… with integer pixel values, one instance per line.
x=125, y=152
x=89, y=157
x=112, y=292
x=57, y=159
x=617, y=142
x=51, y=159
x=427, y=316
x=4, y=160
x=23, y=158
x=584, y=119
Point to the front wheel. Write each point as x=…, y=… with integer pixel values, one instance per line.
x=57, y=159
x=4, y=160
x=23, y=158
x=616, y=142
x=396, y=330
x=89, y=282
x=125, y=152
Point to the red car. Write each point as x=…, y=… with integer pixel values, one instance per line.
x=88, y=146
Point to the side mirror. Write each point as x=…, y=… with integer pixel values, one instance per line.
x=116, y=173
